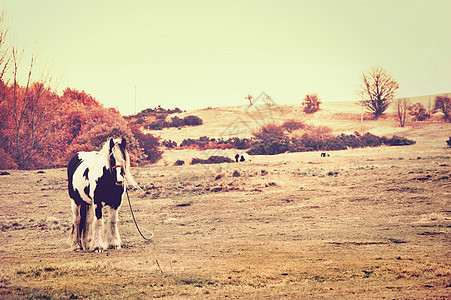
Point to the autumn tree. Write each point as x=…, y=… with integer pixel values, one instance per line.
x=378, y=91
x=311, y=103
x=149, y=143
x=84, y=124
x=25, y=108
x=443, y=104
x=40, y=129
x=29, y=112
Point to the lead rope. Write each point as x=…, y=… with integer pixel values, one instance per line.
x=134, y=220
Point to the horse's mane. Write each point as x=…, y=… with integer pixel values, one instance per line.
x=120, y=159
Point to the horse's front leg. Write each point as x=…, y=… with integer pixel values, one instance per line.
x=98, y=243
x=114, y=240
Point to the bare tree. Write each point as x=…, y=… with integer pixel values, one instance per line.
x=4, y=53
x=378, y=90
x=5, y=58
x=268, y=100
x=431, y=107
x=443, y=103
x=26, y=110
x=4, y=64
x=401, y=111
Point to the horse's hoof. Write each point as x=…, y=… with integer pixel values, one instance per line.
x=77, y=247
x=98, y=249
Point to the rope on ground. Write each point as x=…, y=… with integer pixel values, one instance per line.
x=134, y=220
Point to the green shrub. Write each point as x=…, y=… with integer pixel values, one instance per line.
x=270, y=147
x=175, y=122
x=269, y=140
x=239, y=143
x=371, y=140
x=192, y=121
x=169, y=144
x=292, y=125
x=179, y=162
x=212, y=160
x=398, y=141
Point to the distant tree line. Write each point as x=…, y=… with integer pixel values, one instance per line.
x=158, y=113
x=378, y=92
x=291, y=136
x=175, y=122
x=155, y=119
x=275, y=139
x=205, y=142
x=419, y=112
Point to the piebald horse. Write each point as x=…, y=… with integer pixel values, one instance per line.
x=98, y=179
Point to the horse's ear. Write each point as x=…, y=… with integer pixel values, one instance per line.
x=111, y=143
x=123, y=143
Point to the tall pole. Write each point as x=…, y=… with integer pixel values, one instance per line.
x=135, y=99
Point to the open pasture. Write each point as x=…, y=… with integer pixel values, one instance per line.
x=362, y=223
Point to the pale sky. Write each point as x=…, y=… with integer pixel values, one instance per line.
x=194, y=54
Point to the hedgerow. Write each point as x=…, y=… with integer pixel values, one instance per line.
x=205, y=142
x=175, y=122
x=212, y=160
x=272, y=139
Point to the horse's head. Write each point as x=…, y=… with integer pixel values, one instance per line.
x=118, y=160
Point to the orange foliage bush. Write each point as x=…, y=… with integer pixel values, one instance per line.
x=39, y=129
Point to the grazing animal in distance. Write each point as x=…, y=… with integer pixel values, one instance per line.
x=242, y=157
x=97, y=179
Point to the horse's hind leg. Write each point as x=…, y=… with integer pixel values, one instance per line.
x=113, y=238
x=86, y=225
x=75, y=234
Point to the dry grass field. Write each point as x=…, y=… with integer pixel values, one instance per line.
x=367, y=223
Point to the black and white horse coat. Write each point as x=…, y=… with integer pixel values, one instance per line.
x=242, y=157
x=98, y=179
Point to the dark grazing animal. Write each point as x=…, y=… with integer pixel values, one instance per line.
x=242, y=157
